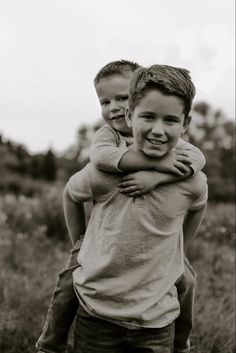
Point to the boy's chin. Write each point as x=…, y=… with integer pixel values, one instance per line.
x=155, y=154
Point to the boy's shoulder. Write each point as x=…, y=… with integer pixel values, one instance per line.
x=91, y=183
x=107, y=131
x=185, y=144
x=101, y=181
x=190, y=188
x=197, y=184
x=198, y=178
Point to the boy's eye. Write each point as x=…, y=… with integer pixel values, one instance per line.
x=104, y=102
x=122, y=98
x=171, y=120
x=147, y=117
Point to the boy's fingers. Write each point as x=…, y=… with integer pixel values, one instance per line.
x=134, y=194
x=127, y=177
x=178, y=172
x=184, y=159
x=128, y=190
x=182, y=167
x=181, y=153
x=125, y=184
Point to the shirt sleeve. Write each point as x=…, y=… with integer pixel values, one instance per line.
x=79, y=187
x=194, y=153
x=201, y=198
x=106, y=149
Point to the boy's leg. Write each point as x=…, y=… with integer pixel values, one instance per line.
x=183, y=325
x=62, y=310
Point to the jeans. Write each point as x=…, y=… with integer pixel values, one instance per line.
x=62, y=310
x=94, y=335
x=186, y=286
x=64, y=305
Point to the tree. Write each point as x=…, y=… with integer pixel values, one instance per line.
x=35, y=167
x=49, y=166
x=214, y=134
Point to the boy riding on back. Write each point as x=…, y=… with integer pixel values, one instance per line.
x=109, y=146
x=132, y=254
x=110, y=152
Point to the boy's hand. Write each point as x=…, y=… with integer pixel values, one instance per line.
x=138, y=183
x=175, y=161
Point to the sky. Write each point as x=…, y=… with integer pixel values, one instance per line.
x=51, y=50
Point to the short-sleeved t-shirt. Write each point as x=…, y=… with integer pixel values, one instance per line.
x=108, y=147
x=132, y=252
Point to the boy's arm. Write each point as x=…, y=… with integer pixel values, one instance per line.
x=109, y=152
x=77, y=191
x=184, y=158
x=191, y=224
x=195, y=155
x=196, y=211
x=144, y=181
x=107, y=147
x=176, y=162
x=141, y=182
x=74, y=216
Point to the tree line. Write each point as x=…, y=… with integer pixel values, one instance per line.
x=210, y=130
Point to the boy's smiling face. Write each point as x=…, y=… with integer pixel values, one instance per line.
x=113, y=94
x=158, y=121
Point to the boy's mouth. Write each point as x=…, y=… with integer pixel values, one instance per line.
x=156, y=142
x=118, y=117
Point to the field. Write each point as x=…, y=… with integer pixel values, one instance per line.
x=30, y=261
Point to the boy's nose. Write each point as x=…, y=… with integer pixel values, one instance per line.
x=114, y=106
x=158, y=128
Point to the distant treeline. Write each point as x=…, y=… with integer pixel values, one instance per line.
x=211, y=131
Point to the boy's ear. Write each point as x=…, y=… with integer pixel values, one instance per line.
x=128, y=117
x=187, y=121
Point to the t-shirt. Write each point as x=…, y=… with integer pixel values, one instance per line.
x=132, y=252
x=108, y=146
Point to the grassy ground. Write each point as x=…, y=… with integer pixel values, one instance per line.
x=29, y=264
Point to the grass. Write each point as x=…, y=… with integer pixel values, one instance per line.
x=30, y=262
x=213, y=257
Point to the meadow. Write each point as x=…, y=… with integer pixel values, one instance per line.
x=34, y=248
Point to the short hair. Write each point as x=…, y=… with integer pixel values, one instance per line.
x=167, y=79
x=119, y=67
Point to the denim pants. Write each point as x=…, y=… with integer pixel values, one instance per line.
x=64, y=306
x=186, y=286
x=93, y=335
x=62, y=310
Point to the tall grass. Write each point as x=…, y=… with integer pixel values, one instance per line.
x=30, y=261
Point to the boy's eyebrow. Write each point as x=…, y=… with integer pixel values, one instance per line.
x=147, y=112
x=173, y=116
x=122, y=95
x=152, y=113
x=103, y=99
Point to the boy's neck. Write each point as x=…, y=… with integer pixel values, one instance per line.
x=126, y=134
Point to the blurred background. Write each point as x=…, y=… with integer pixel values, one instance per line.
x=50, y=52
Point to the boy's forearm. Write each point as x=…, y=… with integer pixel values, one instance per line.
x=136, y=160
x=172, y=163
x=168, y=178
x=74, y=217
x=191, y=225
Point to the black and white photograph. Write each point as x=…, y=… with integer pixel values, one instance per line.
x=117, y=176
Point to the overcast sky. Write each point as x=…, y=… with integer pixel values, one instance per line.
x=50, y=51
